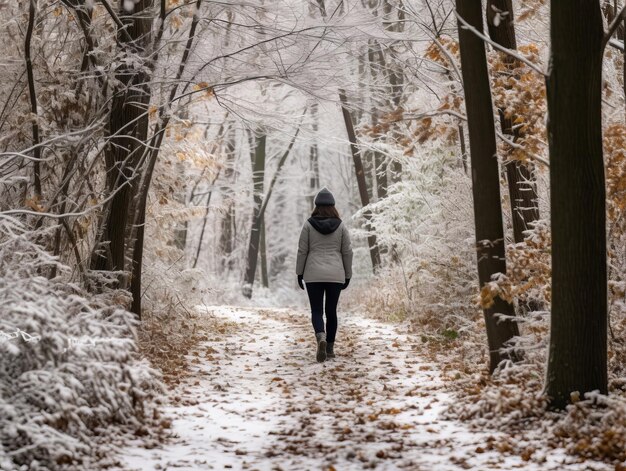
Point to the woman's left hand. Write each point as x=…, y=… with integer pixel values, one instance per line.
x=300, y=282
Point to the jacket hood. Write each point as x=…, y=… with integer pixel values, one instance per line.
x=325, y=225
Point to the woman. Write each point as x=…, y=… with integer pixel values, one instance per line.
x=324, y=262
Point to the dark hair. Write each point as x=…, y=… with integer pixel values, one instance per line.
x=325, y=212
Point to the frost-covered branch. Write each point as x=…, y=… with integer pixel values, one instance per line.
x=619, y=18
x=510, y=52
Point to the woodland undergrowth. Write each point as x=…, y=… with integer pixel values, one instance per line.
x=72, y=381
x=432, y=289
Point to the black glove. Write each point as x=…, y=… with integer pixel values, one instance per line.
x=345, y=285
x=300, y=282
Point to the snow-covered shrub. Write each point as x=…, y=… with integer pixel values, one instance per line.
x=425, y=228
x=70, y=375
x=594, y=428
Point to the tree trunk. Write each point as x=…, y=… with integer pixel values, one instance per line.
x=258, y=175
x=377, y=66
x=227, y=234
x=314, y=169
x=461, y=134
x=128, y=128
x=360, y=178
x=280, y=252
x=396, y=77
x=263, y=255
x=485, y=179
x=578, y=332
x=205, y=220
x=32, y=15
x=520, y=176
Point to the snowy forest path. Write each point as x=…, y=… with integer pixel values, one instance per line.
x=257, y=399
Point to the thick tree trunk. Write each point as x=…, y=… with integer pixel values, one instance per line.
x=485, y=179
x=258, y=175
x=128, y=128
x=360, y=178
x=578, y=332
x=520, y=176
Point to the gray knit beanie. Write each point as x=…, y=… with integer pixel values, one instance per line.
x=324, y=198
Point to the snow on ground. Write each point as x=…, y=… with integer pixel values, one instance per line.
x=258, y=400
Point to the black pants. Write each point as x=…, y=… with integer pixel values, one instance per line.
x=316, y=297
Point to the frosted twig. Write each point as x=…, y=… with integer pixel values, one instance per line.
x=613, y=27
x=616, y=44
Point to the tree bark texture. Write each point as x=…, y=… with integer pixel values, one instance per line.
x=485, y=179
x=128, y=128
x=578, y=332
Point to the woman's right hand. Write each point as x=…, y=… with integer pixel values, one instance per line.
x=345, y=285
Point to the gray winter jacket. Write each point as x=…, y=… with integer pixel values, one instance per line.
x=324, y=251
